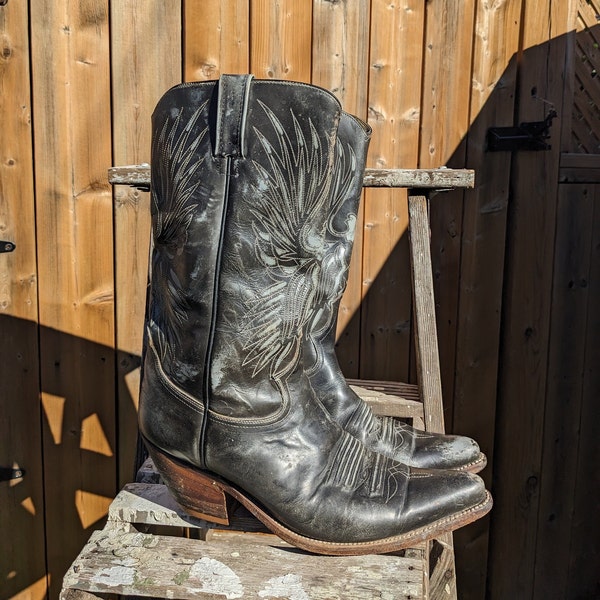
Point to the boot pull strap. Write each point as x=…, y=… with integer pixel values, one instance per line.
x=232, y=108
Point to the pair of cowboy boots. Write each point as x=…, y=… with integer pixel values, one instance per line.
x=255, y=189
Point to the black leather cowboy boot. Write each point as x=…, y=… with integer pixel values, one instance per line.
x=241, y=183
x=385, y=435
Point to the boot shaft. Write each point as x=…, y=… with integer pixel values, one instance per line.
x=242, y=175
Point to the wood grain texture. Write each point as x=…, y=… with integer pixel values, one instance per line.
x=216, y=38
x=340, y=64
x=22, y=558
x=146, y=61
x=442, y=571
x=432, y=179
x=565, y=380
x=394, y=104
x=209, y=569
x=281, y=39
x=446, y=85
x=584, y=553
x=483, y=241
x=525, y=339
x=427, y=360
x=75, y=263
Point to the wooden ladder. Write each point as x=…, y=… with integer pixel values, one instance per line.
x=151, y=548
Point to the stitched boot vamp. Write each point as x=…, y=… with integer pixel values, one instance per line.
x=324, y=483
x=403, y=443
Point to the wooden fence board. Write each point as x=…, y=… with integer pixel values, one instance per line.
x=146, y=61
x=340, y=64
x=564, y=389
x=521, y=400
x=216, y=38
x=483, y=231
x=22, y=558
x=584, y=551
x=75, y=260
x=395, y=62
x=444, y=123
x=280, y=39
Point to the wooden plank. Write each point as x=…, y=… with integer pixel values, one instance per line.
x=395, y=59
x=140, y=78
x=434, y=179
x=340, y=64
x=171, y=566
x=410, y=391
x=576, y=175
x=216, y=38
x=426, y=343
x=444, y=123
x=280, y=39
x=75, y=266
x=22, y=558
x=442, y=573
x=570, y=160
x=568, y=327
x=446, y=82
x=137, y=564
x=584, y=551
x=482, y=246
x=390, y=405
x=528, y=284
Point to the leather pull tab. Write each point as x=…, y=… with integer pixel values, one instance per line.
x=232, y=108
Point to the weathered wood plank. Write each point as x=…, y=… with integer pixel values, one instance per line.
x=442, y=573
x=435, y=179
x=446, y=86
x=390, y=405
x=579, y=168
x=483, y=242
x=22, y=561
x=426, y=345
x=137, y=564
x=579, y=161
x=216, y=38
x=121, y=560
x=394, y=114
x=340, y=64
x=72, y=130
x=584, y=551
x=566, y=361
x=146, y=61
x=281, y=39
x=526, y=316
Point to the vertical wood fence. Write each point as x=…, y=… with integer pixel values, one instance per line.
x=516, y=260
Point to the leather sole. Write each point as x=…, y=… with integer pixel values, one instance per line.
x=475, y=466
x=206, y=496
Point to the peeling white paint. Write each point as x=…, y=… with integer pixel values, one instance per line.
x=215, y=577
x=287, y=586
x=114, y=576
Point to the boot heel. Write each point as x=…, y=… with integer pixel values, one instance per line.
x=199, y=494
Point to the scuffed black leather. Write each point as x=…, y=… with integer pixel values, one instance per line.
x=238, y=244
x=386, y=435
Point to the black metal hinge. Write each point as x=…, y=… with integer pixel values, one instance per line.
x=7, y=246
x=527, y=136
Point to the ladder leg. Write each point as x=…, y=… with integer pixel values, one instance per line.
x=442, y=583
